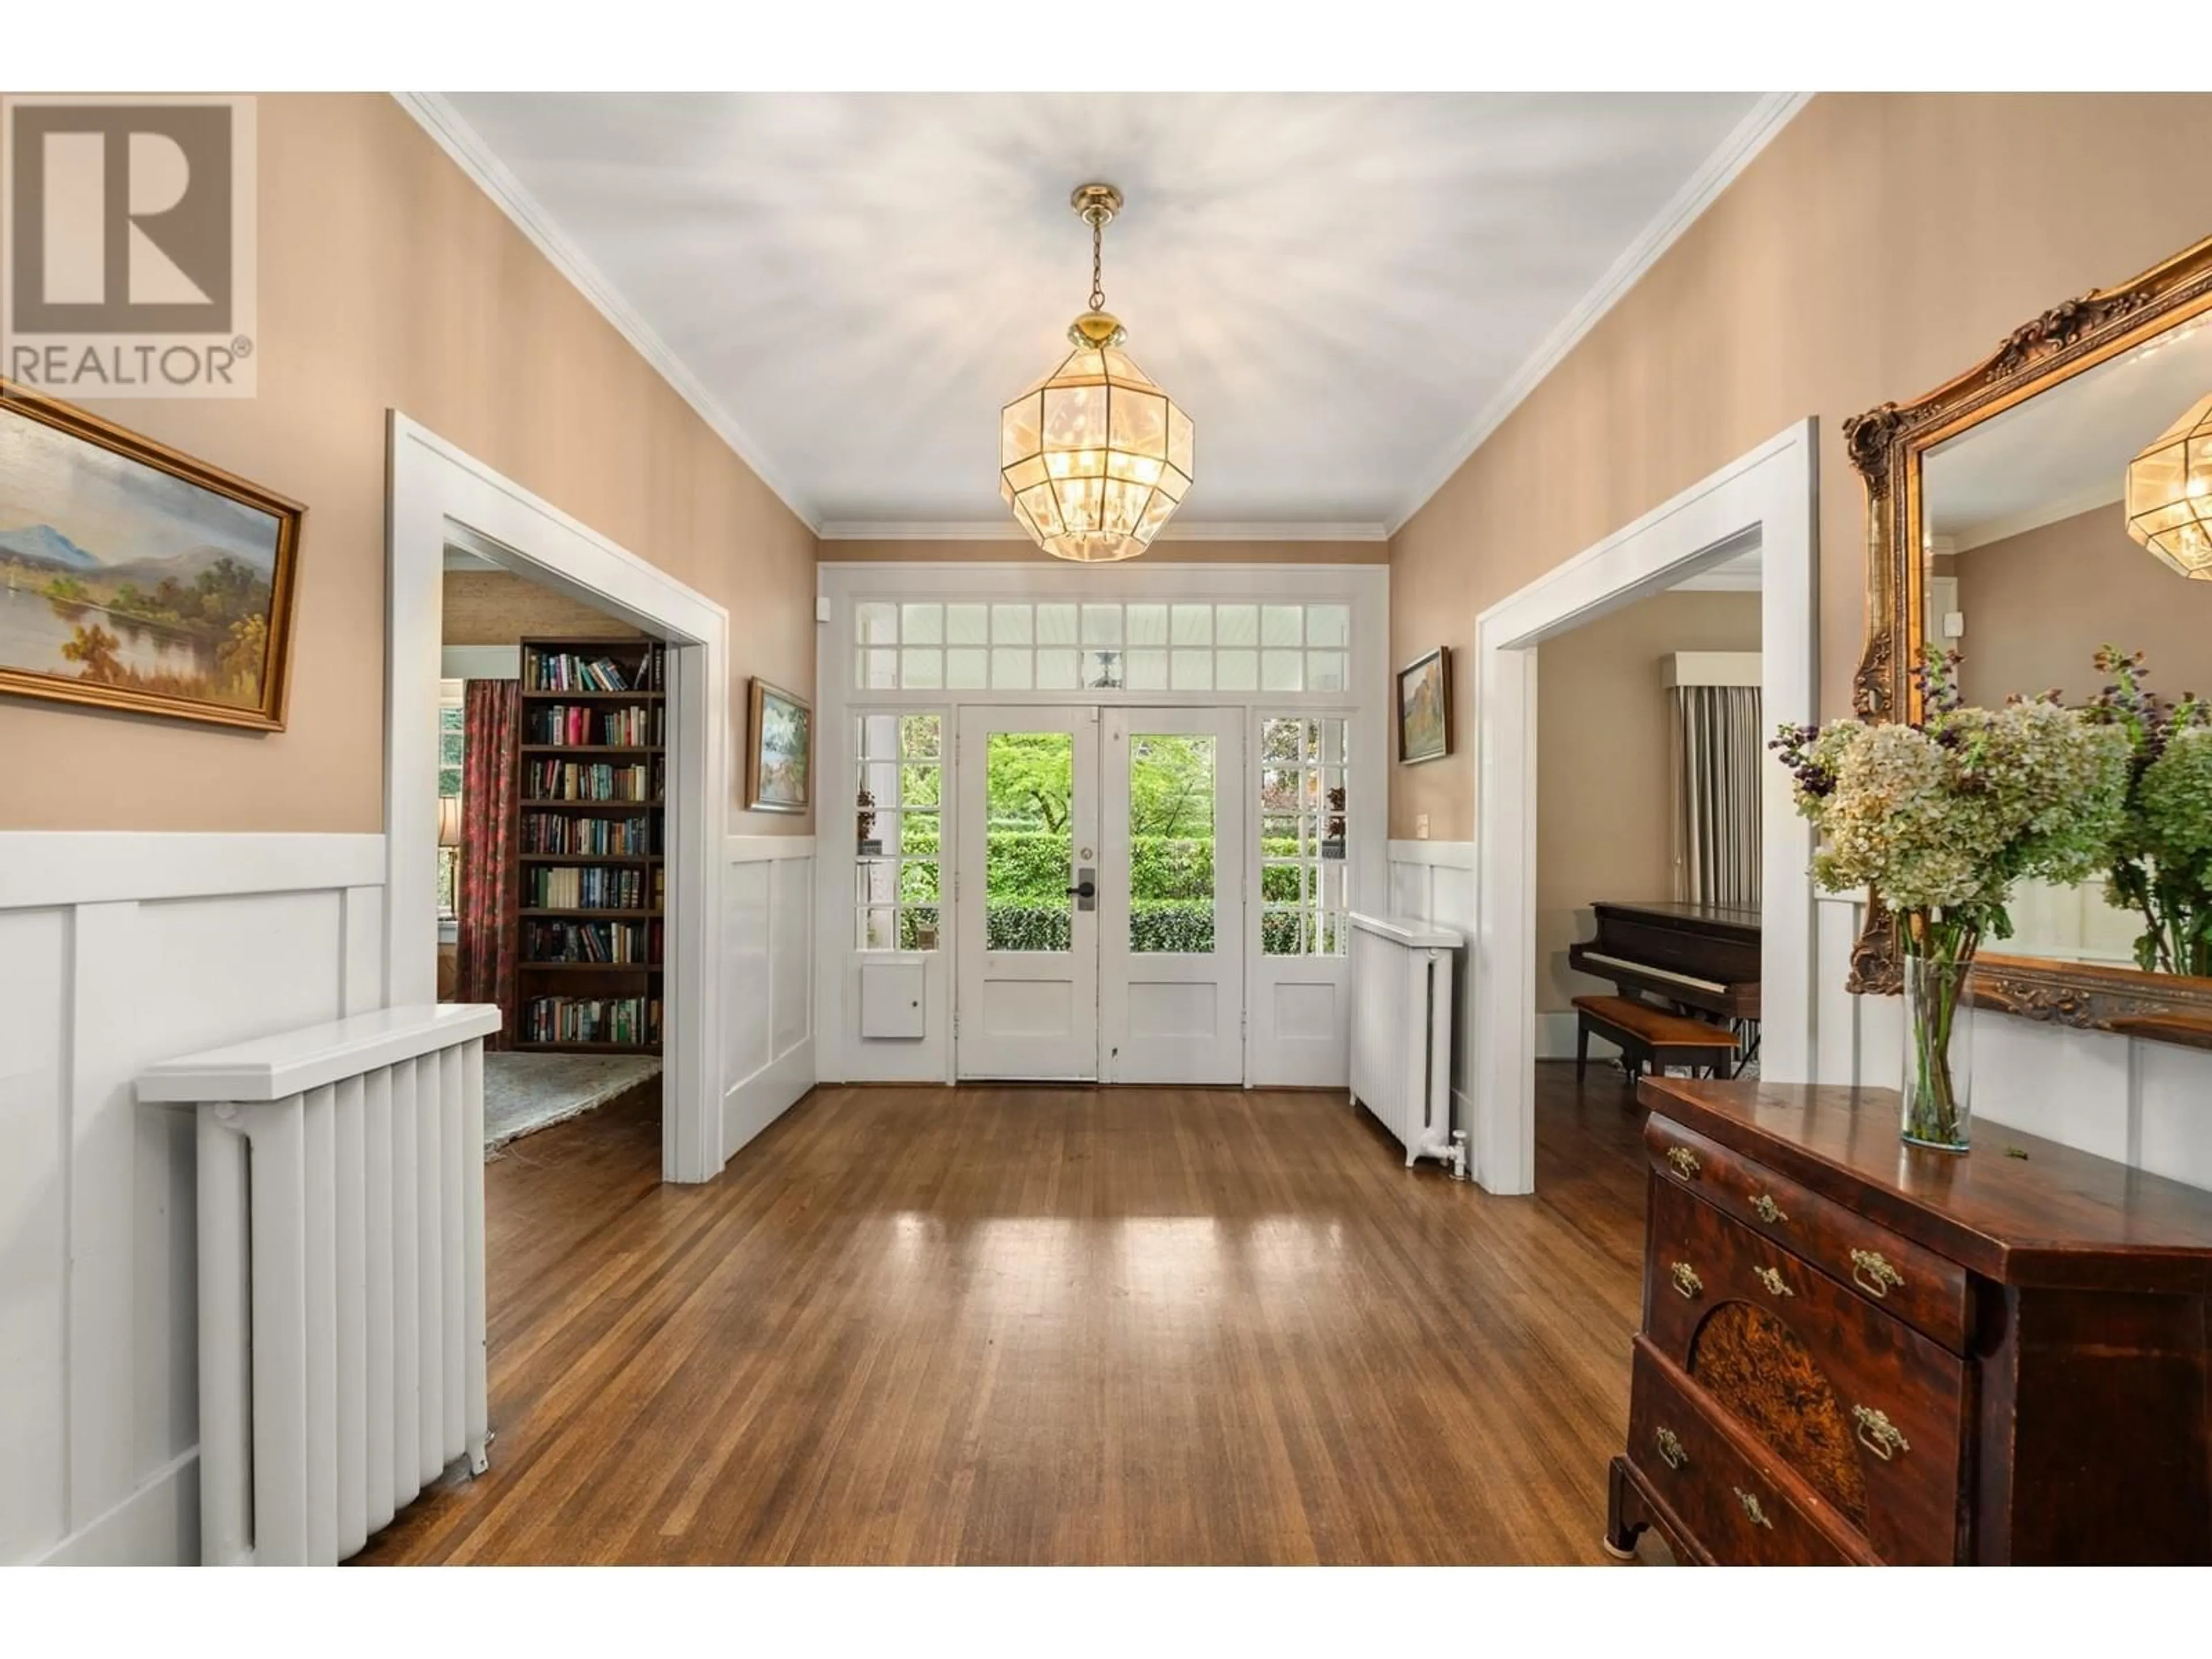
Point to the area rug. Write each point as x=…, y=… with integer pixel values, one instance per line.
x=524, y=1093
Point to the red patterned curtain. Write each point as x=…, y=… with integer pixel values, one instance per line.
x=489, y=927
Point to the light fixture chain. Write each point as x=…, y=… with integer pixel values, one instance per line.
x=1097, y=254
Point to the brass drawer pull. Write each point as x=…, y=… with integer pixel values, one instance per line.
x=1752, y=1509
x=1873, y=1274
x=1687, y=1282
x=1766, y=1209
x=1877, y=1434
x=1773, y=1279
x=1670, y=1449
x=1685, y=1161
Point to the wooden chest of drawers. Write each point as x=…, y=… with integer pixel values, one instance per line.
x=1857, y=1352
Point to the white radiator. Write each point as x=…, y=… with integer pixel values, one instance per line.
x=341, y=1274
x=1402, y=1019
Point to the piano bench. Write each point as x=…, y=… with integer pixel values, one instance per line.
x=1650, y=1036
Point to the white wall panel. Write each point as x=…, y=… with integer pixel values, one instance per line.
x=141, y=955
x=33, y=1233
x=2140, y=1102
x=1434, y=881
x=769, y=910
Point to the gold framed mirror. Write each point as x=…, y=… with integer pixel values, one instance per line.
x=2051, y=501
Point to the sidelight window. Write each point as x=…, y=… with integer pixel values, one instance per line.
x=1303, y=775
x=898, y=804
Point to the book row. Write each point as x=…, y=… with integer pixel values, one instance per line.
x=560, y=780
x=573, y=723
x=557, y=832
x=633, y=1020
x=590, y=887
x=575, y=670
x=617, y=943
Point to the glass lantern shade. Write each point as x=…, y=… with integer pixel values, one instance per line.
x=1094, y=459
x=2169, y=494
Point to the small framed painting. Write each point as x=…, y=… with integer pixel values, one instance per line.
x=1424, y=708
x=134, y=577
x=779, y=764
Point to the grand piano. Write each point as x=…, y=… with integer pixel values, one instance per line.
x=1698, y=957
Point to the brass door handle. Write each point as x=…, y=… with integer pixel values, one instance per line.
x=1871, y=1270
x=1670, y=1449
x=1877, y=1434
x=1685, y=1161
x=1753, y=1509
x=1773, y=1279
x=1687, y=1281
x=1766, y=1209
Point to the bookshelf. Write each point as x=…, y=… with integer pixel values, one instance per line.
x=591, y=837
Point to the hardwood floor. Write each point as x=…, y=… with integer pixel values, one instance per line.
x=1052, y=1325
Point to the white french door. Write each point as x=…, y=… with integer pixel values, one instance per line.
x=1099, y=895
x=1171, y=896
x=1027, y=932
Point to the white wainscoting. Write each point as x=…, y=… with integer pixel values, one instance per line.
x=2141, y=1102
x=1434, y=881
x=116, y=951
x=768, y=982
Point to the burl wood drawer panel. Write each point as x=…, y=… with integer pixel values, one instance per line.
x=1729, y=1497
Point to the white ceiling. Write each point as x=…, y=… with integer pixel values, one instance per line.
x=1346, y=291
x=2066, y=450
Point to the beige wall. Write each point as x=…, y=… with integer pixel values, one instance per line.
x=1878, y=247
x=387, y=280
x=1013, y=551
x=1602, y=790
x=2038, y=605
x=496, y=607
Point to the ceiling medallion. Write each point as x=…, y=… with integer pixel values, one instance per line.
x=1094, y=459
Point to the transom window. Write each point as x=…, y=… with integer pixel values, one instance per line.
x=972, y=645
x=1304, y=778
x=899, y=800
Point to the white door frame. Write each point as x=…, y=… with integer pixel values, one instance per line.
x=442, y=496
x=1767, y=498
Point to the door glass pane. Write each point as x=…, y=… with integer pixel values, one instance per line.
x=1171, y=889
x=1030, y=786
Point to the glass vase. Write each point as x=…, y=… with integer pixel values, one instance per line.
x=1938, y=1052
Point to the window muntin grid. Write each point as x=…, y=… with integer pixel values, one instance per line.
x=1303, y=785
x=1139, y=646
x=898, y=802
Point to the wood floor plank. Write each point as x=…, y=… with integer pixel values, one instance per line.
x=1051, y=1325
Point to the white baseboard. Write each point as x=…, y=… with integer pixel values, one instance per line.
x=157, y=1526
x=752, y=1105
x=1555, y=1037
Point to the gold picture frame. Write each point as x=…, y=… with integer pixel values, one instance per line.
x=135, y=577
x=779, y=750
x=1887, y=445
x=1423, y=692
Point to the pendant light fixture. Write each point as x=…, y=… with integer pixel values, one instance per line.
x=2169, y=496
x=1094, y=459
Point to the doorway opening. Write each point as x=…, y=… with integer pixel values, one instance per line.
x=1106, y=855
x=553, y=800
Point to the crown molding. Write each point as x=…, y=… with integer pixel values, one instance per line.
x=1005, y=529
x=2106, y=493
x=1772, y=112
x=436, y=116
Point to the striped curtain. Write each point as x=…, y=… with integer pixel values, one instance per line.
x=1717, y=757
x=492, y=723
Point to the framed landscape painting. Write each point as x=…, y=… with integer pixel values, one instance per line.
x=1424, y=708
x=134, y=577
x=780, y=762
